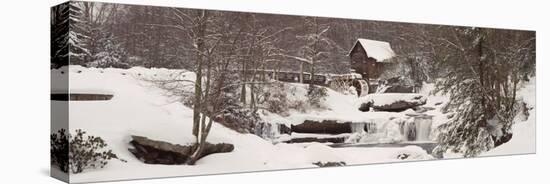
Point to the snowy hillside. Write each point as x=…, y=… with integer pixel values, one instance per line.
x=139, y=108
x=524, y=140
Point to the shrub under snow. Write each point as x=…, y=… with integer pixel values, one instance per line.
x=315, y=95
x=79, y=152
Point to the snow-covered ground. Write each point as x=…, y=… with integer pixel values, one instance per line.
x=524, y=138
x=140, y=108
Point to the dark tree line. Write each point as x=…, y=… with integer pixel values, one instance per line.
x=141, y=36
x=59, y=35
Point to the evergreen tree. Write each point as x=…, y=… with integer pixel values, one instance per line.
x=78, y=35
x=467, y=131
x=481, y=77
x=59, y=35
x=110, y=54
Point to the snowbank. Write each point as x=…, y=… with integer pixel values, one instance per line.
x=524, y=133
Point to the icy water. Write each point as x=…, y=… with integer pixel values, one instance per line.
x=428, y=146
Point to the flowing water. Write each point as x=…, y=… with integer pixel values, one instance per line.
x=417, y=129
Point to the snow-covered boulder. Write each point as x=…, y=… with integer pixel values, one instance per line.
x=393, y=102
x=411, y=153
x=160, y=152
x=341, y=139
x=396, y=85
x=329, y=164
x=322, y=127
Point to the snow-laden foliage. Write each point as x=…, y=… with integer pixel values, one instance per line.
x=79, y=34
x=465, y=132
x=88, y=152
x=276, y=100
x=316, y=95
x=316, y=47
x=482, y=80
x=111, y=54
x=78, y=152
x=523, y=141
x=59, y=150
x=59, y=35
x=280, y=98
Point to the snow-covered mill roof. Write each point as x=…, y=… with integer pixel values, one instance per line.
x=378, y=50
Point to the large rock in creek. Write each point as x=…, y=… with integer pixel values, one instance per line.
x=160, y=152
x=317, y=139
x=283, y=129
x=399, y=89
x=322, y=127
x=392, y=102
x=396, y=85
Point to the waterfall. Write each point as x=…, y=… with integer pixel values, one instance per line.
x=357, y=127
x=423, y=128
x=370, y=128
x=265, y=130
x=363, y=127
x=409, y=131
x=417, y=129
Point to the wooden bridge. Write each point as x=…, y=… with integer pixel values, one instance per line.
x=338, y=82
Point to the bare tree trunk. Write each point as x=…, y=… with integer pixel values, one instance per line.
x=205, y=110
x=302, y=72
x=482, y=78
x=312, y=74
x=243, y=80
x=198, y=83
x=252, y=86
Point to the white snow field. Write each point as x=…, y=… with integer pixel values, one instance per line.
x=140, y=108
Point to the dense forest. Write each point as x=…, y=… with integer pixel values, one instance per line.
x=124, y=35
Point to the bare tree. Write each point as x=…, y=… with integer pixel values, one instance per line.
x=260, y=48
x=316, y=46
